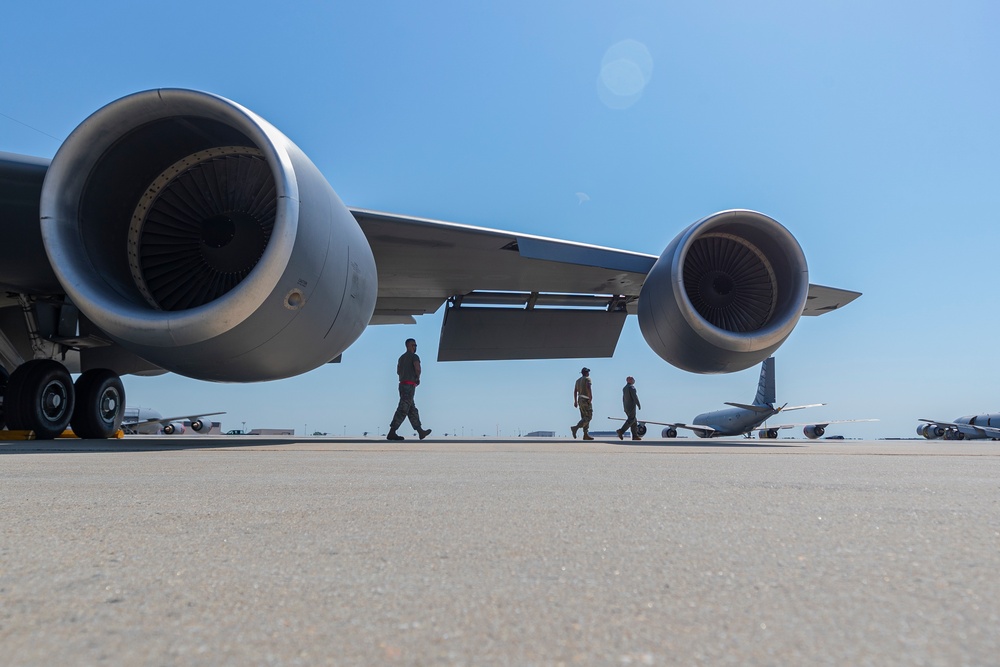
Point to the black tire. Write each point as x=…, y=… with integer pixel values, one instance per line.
x=100, y=404
x=40, y=398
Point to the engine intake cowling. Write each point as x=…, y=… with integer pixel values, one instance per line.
x=813, y=431
x=931, y=431
x=197, y=236
x=725, y=293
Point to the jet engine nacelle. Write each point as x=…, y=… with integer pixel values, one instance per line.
x=931, y=431
x=814, y=431
x=198, y=425
x=769, y=434
x=198, y=237
x=725, y=293
x=173, y=428
x=668, y=432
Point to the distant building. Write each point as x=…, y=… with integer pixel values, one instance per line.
x=540, y=434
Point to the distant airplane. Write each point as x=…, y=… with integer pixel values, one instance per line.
x=742, y=419
x=971, y=427
x=177, y=231
x=146, y=421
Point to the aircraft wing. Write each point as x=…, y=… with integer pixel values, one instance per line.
x=170, y=420
x=990, y=431
x=697, y=428
x=823, y=424
x=814, y=430
x=423, y=264
x=708, y=431
x=564, y=299
x=768, y=427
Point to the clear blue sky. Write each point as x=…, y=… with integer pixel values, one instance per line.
x=869, y=129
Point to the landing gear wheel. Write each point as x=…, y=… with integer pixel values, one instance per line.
x=39, y=398
x=100, y=404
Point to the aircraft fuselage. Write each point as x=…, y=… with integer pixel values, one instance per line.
x=732, y=421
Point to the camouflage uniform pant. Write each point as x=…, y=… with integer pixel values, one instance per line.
x=406, y=408
x=586, y=414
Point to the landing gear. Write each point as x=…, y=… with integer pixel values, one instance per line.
x=40, y=396
x=100, y=404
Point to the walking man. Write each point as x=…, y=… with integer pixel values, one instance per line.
x=583, y=396
x=408, y=370
x=630, y=401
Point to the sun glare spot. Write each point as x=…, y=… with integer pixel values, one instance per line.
x=626, y=69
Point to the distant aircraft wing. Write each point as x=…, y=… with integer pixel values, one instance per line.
x=991, y=431
x=837, y=421
x=769, y=427
x=823, y=424
x=170, y=420
x=697, y=428
x=708, y=431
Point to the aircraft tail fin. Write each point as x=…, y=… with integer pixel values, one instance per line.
x=765, y=387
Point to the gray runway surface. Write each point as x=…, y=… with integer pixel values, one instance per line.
x=212, y=551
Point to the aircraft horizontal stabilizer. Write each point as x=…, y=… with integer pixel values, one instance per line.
x=801, y=407
x=760, y=409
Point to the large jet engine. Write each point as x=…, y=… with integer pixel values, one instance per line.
x=725, y=293
x=813, y=431
x=197, y=236
x=931, y=431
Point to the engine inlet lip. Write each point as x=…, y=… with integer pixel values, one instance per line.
x=66, y=182
x=784, y=317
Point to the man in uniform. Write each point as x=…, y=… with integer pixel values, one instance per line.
x=408, y=370
x=583, y=396
x=630, y=401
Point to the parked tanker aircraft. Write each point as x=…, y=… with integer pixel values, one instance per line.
x=743, y=419
x=971, y=427
x=149, y=421
x=177, y=231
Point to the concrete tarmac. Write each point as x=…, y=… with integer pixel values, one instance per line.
x=270, y=551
